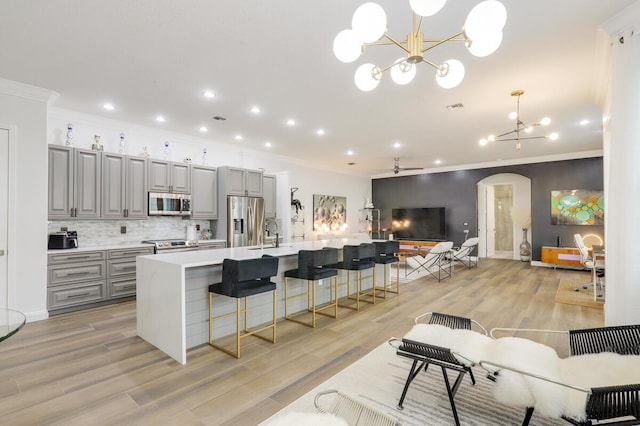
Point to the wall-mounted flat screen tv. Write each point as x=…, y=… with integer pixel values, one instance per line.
x=426, y=223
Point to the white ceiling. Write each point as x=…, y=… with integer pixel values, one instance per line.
x=151, y=57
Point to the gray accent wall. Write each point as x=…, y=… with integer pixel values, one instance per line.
x=456, y=191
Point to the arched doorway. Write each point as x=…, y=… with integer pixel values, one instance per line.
x=502, y=197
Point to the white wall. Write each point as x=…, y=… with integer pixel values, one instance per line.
x=24, y=109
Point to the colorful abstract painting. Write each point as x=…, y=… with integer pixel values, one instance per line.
x=577, y=207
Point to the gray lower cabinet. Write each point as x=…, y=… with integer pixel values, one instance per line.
x=121, y=271
x=76, y=279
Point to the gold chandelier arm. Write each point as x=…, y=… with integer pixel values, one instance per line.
x=521, y=139
x=453, y=37
x=416, y=28
x=384, y=43
x=396, y=42
x=426, y=61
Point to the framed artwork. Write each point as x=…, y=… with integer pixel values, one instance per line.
x=577, y=207
x=329, y=213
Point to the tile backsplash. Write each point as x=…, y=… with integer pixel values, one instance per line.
x=104, y=232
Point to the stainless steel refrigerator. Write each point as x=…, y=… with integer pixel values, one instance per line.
x=245, y=219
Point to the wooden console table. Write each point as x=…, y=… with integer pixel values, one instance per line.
x=561, y=256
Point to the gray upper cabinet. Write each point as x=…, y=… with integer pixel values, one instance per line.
x=124, y=181
x=204, y=195
x=165, y=176
x=269, y=195
x=238, y=181
x=74, y=183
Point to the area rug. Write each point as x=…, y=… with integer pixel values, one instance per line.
x=567, y=295
x=378, y=378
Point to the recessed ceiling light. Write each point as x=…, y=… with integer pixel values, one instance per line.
x=238, y=137
x=108, y=107
x=351, y=164
x=291, y=122
x=584, y=122
x=203, y=129
x=219, y=118
x=397, y=144
x=437, y=162
x=267, y=144
x=160, y=119
x=255, y=110
x=320, y=132
x=454, y=106
x=209, y=94
x=350, y=152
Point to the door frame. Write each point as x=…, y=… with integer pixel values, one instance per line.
x=11, y=231
x=521, y=200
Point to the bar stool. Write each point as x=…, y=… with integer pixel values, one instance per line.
x=358, y=258
x=386, y=253
x=241, y=279
x=314, y=266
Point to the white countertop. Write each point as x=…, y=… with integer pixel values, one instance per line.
x=191, y=259
x=111, y=246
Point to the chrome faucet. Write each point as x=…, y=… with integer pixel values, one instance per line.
x=269, y=224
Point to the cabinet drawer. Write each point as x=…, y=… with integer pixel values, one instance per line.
x=115, y=269
x=75, y=294
x=73, y=272
x=132, y=252
x=121, y=287
x=83, y=256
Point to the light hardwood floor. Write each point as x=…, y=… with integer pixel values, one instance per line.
x=89, y=367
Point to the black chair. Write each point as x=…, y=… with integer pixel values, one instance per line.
x=314, y=266
x=387, y=253
x=611, y=405
x=424, y=354
x=241, y=279
x=358, y=258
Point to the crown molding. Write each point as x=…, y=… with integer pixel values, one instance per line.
x=627, y=18
x=27, y=91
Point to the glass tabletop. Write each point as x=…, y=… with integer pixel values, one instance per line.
x=10, y=322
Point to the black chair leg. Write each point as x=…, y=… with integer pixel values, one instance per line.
x=451, y=393
x=527, y=416
x=412, y=375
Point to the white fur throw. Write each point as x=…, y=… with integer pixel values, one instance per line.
x=468, y=346
x=525, y=391
x=592, y=371
x=307, y=419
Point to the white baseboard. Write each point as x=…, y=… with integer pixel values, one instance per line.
x=37, y=316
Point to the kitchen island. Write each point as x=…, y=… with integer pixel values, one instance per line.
x=173, y=296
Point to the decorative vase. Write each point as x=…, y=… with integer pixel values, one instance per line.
x=525, y=247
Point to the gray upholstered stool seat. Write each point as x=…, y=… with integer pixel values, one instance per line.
x=241, y=279
x=314, y=266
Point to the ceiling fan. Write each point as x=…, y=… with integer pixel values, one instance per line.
x=397, y=169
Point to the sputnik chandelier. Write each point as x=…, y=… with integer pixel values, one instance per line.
x=514, y=135
x=481, y=34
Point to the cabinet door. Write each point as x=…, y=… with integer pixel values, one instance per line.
x=235, y=181
x=180, y=178
x=113, y=185
x=60, y=198
x=159, y=175
x=136, y=188
x=204, y=197
x=254, y=182
x=87, y=183
x=269, y=195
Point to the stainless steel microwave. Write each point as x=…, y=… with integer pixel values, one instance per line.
x=165, y=204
